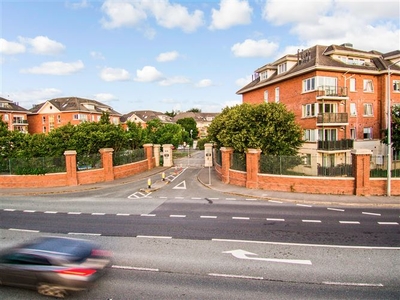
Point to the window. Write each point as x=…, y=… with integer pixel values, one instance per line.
x=396, y=85
x=309, y=135
x=368, y=109
x=263, y=75
x=44, y=129
x=328, y=160
x=353, y=109
x=309, y=84
x=327, y=135
x=6, y=118
x=368, y=86
x=58, y=118
x=352, y=84
x=327, y=108
x=307, y=159
x=367, y=133
x=282, y=68
x=51, y=123
x=265, y=96
x=309, y=110
x=43, y=120
x=353, y=134
x=81, y=117
x=277, y=95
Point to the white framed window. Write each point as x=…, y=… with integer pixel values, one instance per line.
x=368, y=86
x=367, y=133
x=309, y=110
x=309, y=84
x=328, y=160
x=327, y=108
x=6, y=118
x=396, y=85
x=282, y=68
x=353, y=133
x=263, y=75
x=309, y=135
x=352, y=84
x=277, y=95
x=43, y=120
x=307, y=159
x=368, y=109
x=353, y=109
x=329, y=134
x=266, y=96
x=326, y=81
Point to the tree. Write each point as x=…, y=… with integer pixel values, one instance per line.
x=135, y=135
x=172, y=114
x=160, y=133
x=195, y=110
x=268, y=126
x=395, y=130
x=190, y=126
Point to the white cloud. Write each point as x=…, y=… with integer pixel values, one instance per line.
x=174, y=80
x=204, y=83
x=231, y=13
x=148, y=74
x=97, y=55
x=241, y=82
x=122, y=14
x=252, y=48
x=105, y=97
x=131, y=13
x=43, y=45
x=167, y=56
x=114, y=74
x=10, y=48
x=56, y=68
x=77, y=5
x=29, y=97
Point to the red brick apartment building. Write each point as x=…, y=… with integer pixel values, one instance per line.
x=57, y=112
x=14, y=115
x=339, y=96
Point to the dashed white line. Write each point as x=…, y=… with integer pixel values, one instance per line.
x=23, y=230
x=235, y=276
x=29, y=211
x=275, y=201
x=123, y=215
x=277, y=220
x=177, y=216
x=349, y=222
x=251, y=199
x=354, y=284
x=179, y=197
x=84, y=233
x=388, y=223
x=311, y=221
x=9, y=209
x=196, y=198
x=154, y=237
x=371, y=214
x=231, y=199
x=97, y=214
x=74, y=213
x=335, y=209
x=304, y=205
x=208, y=217
x=50, y=212
x=147, y=215
x=240, y=218
x=134, y=268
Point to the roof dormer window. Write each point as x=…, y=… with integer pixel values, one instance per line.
x=263, y=75
x=282, y=68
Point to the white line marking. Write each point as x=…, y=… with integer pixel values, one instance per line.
x=213, y=198
x=251, y=199
x=335, y=209
x=208, y=217
x=231, y=199
x=123, y=215
x=235, y=276
x=305, y=245
x=84, y=233
x=196, y=198
x=134, y=268
x=275, y=201
x=354, y=284
x=311, y=221
x=349, y=222
x=179, y=198
x=371, y=214
x=177, y=216
x=154, y=237
x=9, y=209
x=98, y=214
x=23, y=230
x=147, y=215
x=388, y=223
x=240, y=218
x=163, y=197
x=304, y=205
x=50, y=212
x=29, y=211
x=74, y=213
x=278, y=220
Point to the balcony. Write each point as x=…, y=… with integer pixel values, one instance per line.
x=20, y=122
x=332, y=93
x=345, y=144
x=333, y=119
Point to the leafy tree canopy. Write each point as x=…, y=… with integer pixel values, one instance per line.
x=395, y=130
x=190, y=125
x=268, y=126
x=195, y=110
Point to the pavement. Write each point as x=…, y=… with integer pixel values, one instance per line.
x=208, y=178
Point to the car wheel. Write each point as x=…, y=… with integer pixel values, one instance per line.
x=51, y=290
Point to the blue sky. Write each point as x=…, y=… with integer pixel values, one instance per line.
x=166, y=55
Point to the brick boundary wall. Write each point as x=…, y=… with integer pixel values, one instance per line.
x=73, y=177
x=360, y=185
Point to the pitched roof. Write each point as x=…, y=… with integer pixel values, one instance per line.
x=146, y=115
x=76, y=104
x=9, y=106
x=197, y=116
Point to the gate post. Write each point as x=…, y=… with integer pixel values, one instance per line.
x=167, y=155
x=226, y=153
x=252, y=168
x=70, y=163
x=361, y=159
x=156, y=149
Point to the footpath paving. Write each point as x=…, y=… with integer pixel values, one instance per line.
x=208, y=178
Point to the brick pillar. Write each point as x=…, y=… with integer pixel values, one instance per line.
x=70, y=163
x=148, y=149
x=156, y=149
x=361, y=159
x=226, y=153
x=107, y=162
x=252, y=167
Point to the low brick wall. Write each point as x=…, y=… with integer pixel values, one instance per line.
x=130, y=169
x=33, y=181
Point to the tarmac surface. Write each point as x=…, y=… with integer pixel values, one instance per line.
x=208, y=178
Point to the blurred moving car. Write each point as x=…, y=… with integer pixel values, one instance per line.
x=54, y=265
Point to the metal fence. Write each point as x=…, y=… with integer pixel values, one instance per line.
x=88, y=162
x=238, y=161
x=378, y=166
x=32, y=166
x=128, y=156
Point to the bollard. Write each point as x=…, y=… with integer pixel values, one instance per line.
x=163, y=176
x=149, y=183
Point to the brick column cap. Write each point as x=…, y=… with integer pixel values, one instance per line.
x=155, y=145
x=226, y=148
x=147, y=145
x=104, y=150
x=361, y=152
x=69, y=152
x=251, y=150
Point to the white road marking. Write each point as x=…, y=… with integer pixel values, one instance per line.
x=388, y=223
x=311, y=221
x=179, y=198
x=349, y=222
x=335, y=209
x=147, y=215
x=123, y=214
x=240, y=218
x=232, y=199
x=353, y=284
x=98, y=214
x=208, y=217
x=134, y=268
x=29, y=211
x=371, y=214
x=235, y=276
x=251, y=199
x=9, y=209
x=196, y=198
x=177, y=216
x=84, y=233
x=278, y=220
x=304, y=205
x=74, y=213
x=50, y=212
x=23, y=230
x=275, y=201
x=154, y=237
x=180, y=186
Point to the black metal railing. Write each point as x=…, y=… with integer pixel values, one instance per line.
x=328, y=118
x=344, y=144
x=332, y=91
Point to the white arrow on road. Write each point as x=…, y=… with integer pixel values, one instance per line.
x=242, y=254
